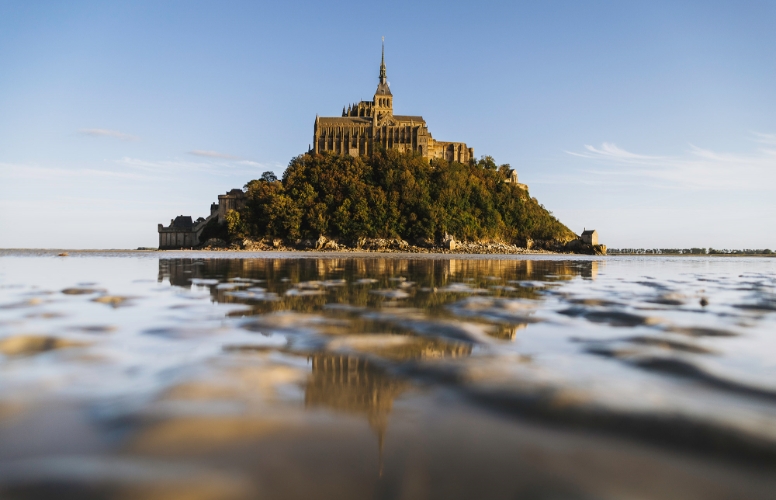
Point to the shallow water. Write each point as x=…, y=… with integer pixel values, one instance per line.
x=217, y=375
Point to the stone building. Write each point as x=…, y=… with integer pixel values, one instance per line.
x=183, y=232
x=365, y=126
x=589, y=236
x=233, y=200
x=511, y=178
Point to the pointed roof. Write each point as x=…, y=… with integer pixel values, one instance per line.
x=382, y=65
x=382, y=87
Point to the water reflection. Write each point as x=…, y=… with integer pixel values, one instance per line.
x=306, y=285
x=386, y=377
x=353, y=385
x=404, y=310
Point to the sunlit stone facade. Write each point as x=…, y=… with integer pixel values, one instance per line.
x=365, y=126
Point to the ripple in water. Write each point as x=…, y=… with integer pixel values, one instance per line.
x=198, y=375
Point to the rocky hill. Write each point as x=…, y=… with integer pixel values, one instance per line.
x=393, y=196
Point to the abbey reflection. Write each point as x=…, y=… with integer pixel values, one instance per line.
x=280, y=274
x=282, y=278
x=351, y=384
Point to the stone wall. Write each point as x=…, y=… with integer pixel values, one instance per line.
x=184, y=233
x=233, y=200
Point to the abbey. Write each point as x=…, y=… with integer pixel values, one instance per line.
x=370, y=124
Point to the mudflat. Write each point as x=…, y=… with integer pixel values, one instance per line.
x=343, y=375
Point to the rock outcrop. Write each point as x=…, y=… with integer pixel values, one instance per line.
x=448, y=245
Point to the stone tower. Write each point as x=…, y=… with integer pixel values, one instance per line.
x=383, y=98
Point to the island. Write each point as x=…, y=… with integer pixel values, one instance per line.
x=375, y=181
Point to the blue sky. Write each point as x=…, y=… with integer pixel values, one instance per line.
x=653, y=122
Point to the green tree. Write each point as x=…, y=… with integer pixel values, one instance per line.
x=392, y=194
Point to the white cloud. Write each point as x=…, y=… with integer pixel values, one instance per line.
x=697, y=169
x=167, y=168
x=769, y=139
x=125, y=197
x=17, y=171
x=101, y=132
x=236, y=159
x=213, y=154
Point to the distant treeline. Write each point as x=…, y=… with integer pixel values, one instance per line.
x=689, y=251
x=392, y=195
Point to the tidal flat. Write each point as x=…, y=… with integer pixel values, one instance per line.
x=217, y=375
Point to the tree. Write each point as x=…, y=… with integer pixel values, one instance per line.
x=392, y=194
x=268, y=177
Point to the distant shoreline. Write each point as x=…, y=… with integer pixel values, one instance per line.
x=55, y=252
x=617, y=254
x=414, y=251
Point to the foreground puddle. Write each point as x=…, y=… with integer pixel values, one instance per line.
x=134, y=376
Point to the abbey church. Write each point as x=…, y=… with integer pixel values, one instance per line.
x=370, y=124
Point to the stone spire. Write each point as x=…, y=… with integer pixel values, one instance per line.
x=382, y=88
x=383, y=78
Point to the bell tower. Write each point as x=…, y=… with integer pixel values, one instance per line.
x=383, y=100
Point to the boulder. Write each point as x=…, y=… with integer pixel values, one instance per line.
x=304, y=244
x=399, y=244
x=573, y=245
x=424, y=243
x=215, y=243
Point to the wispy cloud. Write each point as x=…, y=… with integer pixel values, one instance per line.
x=224, y=156
x=177, y=167
x=769, y=139
x=135, y=169
x=698, y=168
x=213, y=154
x=101, y=132
x=20, y=171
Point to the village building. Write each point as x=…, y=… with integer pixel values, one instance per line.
x=368, y=125
x=233, y=200
x=183, y=232
x=589, y=236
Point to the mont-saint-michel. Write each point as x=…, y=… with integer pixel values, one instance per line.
x=387, y=290
x=373, y=180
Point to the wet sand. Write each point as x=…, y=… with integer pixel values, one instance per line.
x=303, y=375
